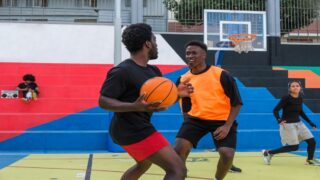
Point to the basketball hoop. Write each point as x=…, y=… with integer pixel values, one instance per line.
x=242, y=42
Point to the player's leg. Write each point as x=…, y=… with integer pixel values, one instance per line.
x=226, y=148
x=306, y=135
x=188, y=136
x=290, y=140
x=183, y=148
x=154, y=149
x=268, y=154
x=310, y=150
x=136, y=171
x=225, y=162
x=170, y=162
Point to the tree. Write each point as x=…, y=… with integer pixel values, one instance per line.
x=294, y=13
x=297, y=14
x=190, y=12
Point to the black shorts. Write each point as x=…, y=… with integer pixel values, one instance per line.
x=194, y=129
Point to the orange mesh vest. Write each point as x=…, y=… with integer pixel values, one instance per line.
x=209, y=102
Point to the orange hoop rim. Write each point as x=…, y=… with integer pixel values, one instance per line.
x=238, y=38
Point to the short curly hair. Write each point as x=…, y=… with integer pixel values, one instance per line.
x=29, y=77
x=197, y=43
x=135, y=35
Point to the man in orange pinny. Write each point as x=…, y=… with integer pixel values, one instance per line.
x=212, y=108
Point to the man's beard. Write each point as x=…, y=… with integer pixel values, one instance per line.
x=153, y=54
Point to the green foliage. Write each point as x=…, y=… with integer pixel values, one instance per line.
x=294, y=13
x=297, y=14
x=190, y=12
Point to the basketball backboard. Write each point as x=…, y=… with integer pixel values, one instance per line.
x=219, y=25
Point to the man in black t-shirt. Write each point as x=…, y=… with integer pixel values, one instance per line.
x=29, y=88
x=131, y=127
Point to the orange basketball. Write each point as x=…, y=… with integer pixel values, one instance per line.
x=160, y=89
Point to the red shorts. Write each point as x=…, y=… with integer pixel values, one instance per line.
x=148, y=146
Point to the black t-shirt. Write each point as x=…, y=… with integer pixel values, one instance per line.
x=123, y=83
x=292, y=109
x=229, y=86
x=31, y=85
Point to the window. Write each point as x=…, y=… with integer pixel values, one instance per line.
x=9, y=3
x=127, y=3
x=145, y=3
x=77, y=3
x=38, y=20
x=37, y=3
x=86, y=20
x=86, y=3
x=29, y=3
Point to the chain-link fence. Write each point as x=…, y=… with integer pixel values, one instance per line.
x=187, y=15
x=300, y=20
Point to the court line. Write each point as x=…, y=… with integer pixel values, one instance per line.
x=107, y=113
x=128, y=158
x=99, y=170
x=89, y=167
x=106, y=131
x=6, y=161
x=55, y=132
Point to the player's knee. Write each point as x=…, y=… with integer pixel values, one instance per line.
x=180, y=171
x=226, y=155
x=183, y=154
x=182, y=148
x=311, y=142
x=144, y=165
x=295, y=147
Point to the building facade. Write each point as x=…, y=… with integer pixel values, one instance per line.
x=84, y=11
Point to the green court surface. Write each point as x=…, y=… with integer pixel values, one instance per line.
x=110, y=166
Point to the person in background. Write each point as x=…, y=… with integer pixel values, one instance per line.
x=292, y=129
x=29, y=88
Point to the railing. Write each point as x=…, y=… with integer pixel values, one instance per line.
x=62, y=15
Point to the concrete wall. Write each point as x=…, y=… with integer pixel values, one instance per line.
x=68, y=43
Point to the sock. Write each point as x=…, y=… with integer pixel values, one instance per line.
x=29, y=95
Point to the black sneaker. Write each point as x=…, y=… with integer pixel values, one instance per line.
x=235, y=169
x=313, y=162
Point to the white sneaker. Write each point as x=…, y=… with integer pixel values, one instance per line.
x=266, y=157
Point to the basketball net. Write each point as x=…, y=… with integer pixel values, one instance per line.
x=242, y=42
